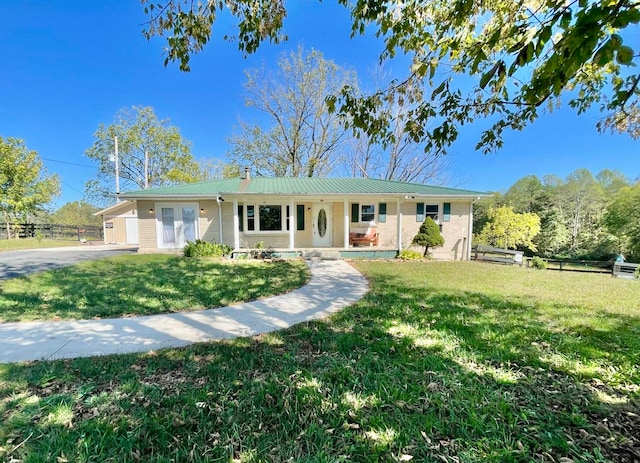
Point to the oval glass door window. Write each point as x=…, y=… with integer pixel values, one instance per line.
x=322, y=223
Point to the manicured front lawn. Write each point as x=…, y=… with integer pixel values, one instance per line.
x=143, y=285
x=33, y=243
x=451, y=362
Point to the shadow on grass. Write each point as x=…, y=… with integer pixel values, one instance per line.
x=142, y=285
x=406, y=372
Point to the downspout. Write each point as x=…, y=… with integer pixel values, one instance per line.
x=218, y=199
x=470, y=233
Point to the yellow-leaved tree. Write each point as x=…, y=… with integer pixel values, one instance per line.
x=509, y=230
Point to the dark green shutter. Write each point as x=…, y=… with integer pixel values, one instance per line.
x=288, y=217
x=355, y=212
x=446, y=212
x=240, y=217
x=419, y=212
x=382, y=212
x=300, y=216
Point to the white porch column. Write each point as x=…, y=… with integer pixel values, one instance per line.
x=399, y=218
x=470, y=232
x=293, y=223
x=236, y=225
x=346, y=224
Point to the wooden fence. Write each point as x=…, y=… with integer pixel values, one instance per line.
x=53, y=231
x=586, y=266
x=497, y=255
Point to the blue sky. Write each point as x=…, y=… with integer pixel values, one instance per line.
x=69, y=66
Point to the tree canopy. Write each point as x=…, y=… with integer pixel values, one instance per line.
x=623, y=218
x=139, y=131
x=302, y=138
x=510, y=230
x=581, y=216
x=76, y=213
x=515, y=59
x=25, y=186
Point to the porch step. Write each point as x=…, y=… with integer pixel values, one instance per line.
x=317, y=254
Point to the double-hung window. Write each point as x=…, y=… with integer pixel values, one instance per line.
x=427, y=210
x=367, y=213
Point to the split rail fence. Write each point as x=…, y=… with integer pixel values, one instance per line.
x=53, y=231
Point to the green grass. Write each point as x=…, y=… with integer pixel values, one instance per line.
x=451, y=362
x=143, y=285
x=34, y=243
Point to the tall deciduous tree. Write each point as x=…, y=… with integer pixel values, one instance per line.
x=302, y=138
x=25, y=186
x=139, y=131
x=510, y=230
x=518, y=57
x=623, y=218
x=76, y=213
x=402, y=159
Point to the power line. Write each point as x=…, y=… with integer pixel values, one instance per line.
x=70, y=163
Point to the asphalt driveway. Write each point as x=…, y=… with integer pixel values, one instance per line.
x=17, y=263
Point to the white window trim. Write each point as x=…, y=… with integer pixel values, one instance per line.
x=256, y=218
x=439, y=214
x=375, y=214
x=158, y=215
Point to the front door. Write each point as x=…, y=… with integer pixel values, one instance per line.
x=322, y=225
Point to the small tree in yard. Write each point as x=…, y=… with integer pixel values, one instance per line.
x=428, y=235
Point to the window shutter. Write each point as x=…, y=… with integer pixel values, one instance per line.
x=382, y=212
x=355, y=212
x=300, y=216
x=419, y=212
x=288, y=220
x=446, y=212
x=240, y=217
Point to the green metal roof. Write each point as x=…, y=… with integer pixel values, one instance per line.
x=298, y=186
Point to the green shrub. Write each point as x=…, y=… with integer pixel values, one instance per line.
x=409, y=254
x=428, y=236
x=539, y=263
x=201, y=248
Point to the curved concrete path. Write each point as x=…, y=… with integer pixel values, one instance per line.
x=334, y=284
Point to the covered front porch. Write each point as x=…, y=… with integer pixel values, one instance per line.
x=358, y=225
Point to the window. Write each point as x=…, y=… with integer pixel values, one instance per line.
x=367, y=213
x=426, y=210
x=431, y=210
x=382, y=212
x=251, y=220
x=265, y=218
x=300, y=216
x=241, y=217
x=189, y=223
x=363, y=212
x=168, y=229
x=270, y=218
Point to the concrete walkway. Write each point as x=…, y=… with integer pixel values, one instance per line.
x=334, y=284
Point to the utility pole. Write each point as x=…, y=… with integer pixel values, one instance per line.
x=117, y=161
x=146, y=169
